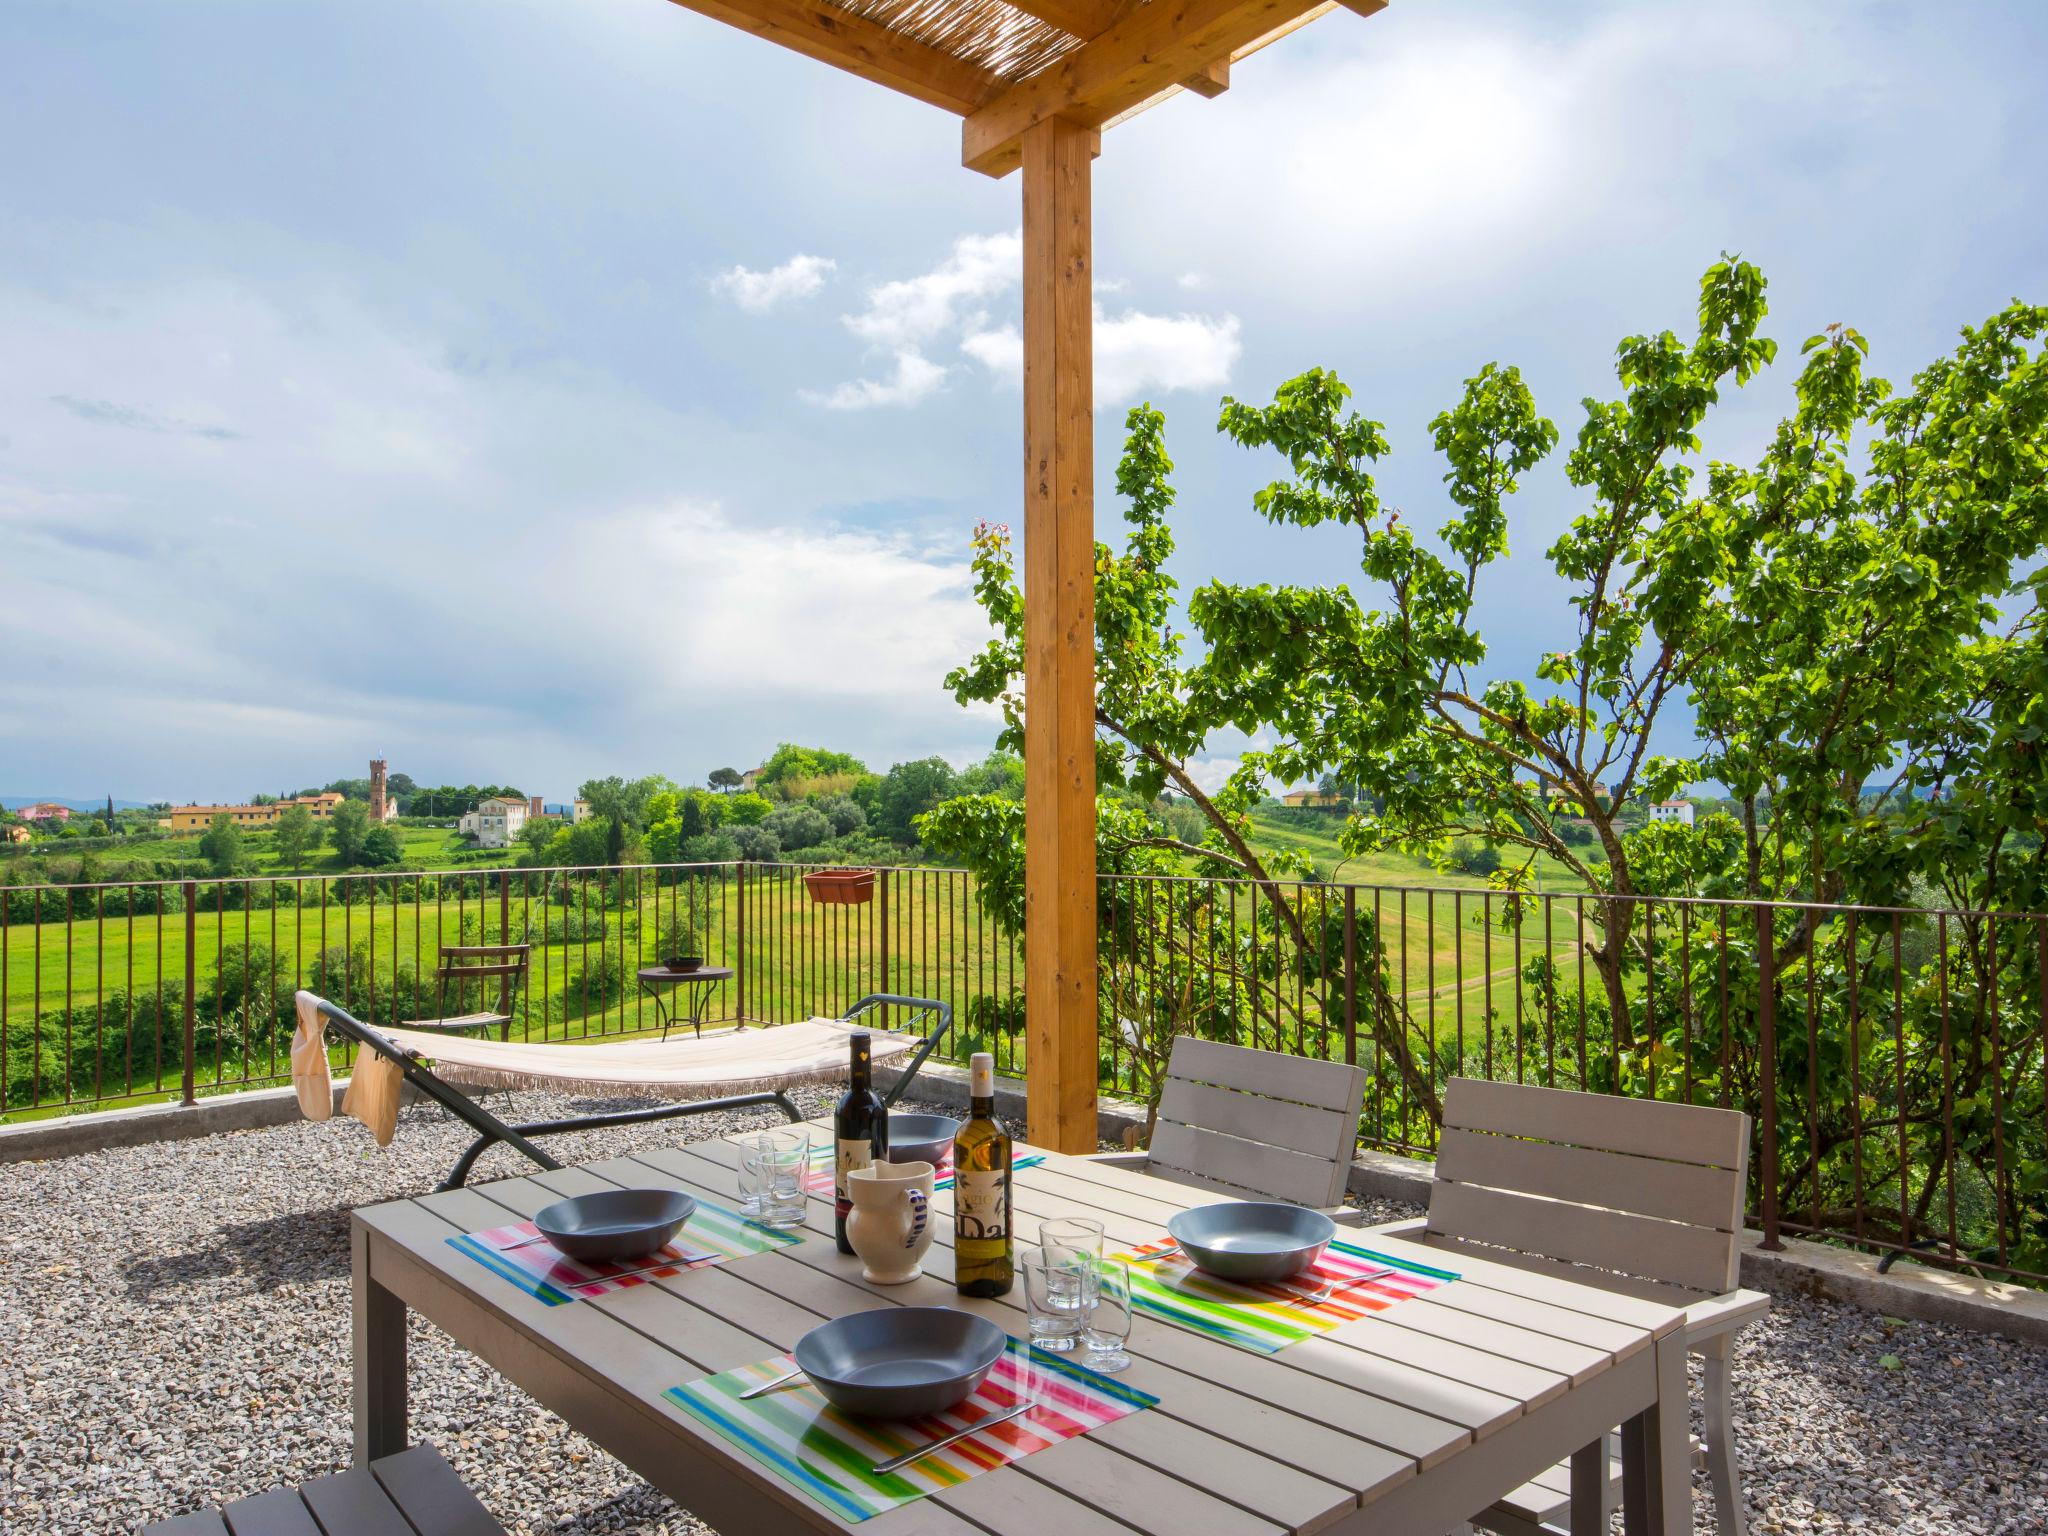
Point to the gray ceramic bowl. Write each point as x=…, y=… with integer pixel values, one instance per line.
x=900, y=1362
x=615, y=1223
x=921, y=1138
x=1252, y=1240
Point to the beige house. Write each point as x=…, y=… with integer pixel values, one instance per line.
x=495, y=822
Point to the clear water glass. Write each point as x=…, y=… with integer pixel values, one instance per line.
x=1059, y=1296
x=1109, y=1320
x=773, y=1166
x=1073, y=1236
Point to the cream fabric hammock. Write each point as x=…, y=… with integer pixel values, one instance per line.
x=711, y=1066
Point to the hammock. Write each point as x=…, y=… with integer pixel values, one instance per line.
x=738, y=1070
x=740, y=1061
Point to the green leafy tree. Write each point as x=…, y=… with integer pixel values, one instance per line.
x=724, y=780
x=347, y=825
x=1384, y=697
x=747, y=809
x=295, y=835
x=381, y=848
x=907, y=791
x=223, y=846
x=1151, y=720
x=1864, y=604
x=790, y=761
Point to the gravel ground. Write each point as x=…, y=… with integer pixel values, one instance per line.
x=213, y=1360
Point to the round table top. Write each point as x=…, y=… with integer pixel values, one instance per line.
x=654, y=975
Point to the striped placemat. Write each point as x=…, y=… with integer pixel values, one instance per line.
x=1268, y=1318
x=830, y=1456
x=818, y=1181
x=714, y=1236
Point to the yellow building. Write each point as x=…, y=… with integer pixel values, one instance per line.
x=197, y=818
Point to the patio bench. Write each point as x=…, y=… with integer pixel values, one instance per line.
x=414, y=1493
x=1254, y=1124
x=1635, y=1196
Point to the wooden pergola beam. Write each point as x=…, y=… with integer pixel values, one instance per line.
x=1157, y=46
x=853, y=43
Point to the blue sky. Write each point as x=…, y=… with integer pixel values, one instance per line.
x=537, y=390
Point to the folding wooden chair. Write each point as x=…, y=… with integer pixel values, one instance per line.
x=464, y=964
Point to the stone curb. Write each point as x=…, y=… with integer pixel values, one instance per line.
x=69, y=1135
x=1800, y=1267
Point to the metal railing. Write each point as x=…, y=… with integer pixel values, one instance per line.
x=1892, y=1058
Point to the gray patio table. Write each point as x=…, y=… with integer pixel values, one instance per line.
x=1412, y=1420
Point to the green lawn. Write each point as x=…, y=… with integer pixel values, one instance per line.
x=1447, y=961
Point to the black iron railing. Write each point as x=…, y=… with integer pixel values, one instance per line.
x=1892, y=1058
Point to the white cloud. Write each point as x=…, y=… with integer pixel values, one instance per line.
x=758, y=292
x=606, y=528
x=912, y=377
x=1134, y=352
x=1193, y=280
x=913, y=311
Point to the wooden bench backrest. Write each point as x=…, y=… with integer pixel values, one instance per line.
x=1256, y=1124
x=1648, y=1189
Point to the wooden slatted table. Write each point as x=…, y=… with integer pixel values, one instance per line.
x=1409, y=1421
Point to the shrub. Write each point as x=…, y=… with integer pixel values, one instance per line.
x=756, y=844
x=845, y=816
x=799, y=826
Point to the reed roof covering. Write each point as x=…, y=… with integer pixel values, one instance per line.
x=1005, y=65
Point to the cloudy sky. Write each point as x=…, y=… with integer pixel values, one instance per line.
x=531, y=390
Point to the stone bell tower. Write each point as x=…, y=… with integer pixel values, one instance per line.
x=378, y=813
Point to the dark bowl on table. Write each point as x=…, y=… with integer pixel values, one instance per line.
x=921, y=1138
x=1252, y=1239
x=900, y=1362
x=683, y=964
x=615, y=1223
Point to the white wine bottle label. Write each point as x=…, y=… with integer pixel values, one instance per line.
x=980, y=1207
x=854, y=1152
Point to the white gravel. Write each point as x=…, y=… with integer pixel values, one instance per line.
x=212, y=1360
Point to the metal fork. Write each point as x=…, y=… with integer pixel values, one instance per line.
x=1344, y=1284
x=940, y=1444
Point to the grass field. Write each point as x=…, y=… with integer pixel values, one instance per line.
x=1453, y=949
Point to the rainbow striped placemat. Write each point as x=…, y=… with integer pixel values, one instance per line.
x=714, y=1236
x=818, y=1181
x=1268, y=1318
x=830, y=1456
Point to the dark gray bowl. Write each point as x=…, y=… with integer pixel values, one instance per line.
x=615, y=1223
x=900, y=1362
x=1252, y=1239
x=921, y=1138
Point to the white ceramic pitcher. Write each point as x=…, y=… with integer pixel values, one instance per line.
x=890, y=1225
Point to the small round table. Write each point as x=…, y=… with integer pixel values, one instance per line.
x=657, y=979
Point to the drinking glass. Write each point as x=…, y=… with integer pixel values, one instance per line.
x=1109, y=1321
x=1059, y=1292
x=1071, y=1235
x=773, y=1165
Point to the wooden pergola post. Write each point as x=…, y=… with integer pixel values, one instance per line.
x=1059, y=635
x=1034, y=83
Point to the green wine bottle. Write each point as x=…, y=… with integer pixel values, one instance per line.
x=983, y=1264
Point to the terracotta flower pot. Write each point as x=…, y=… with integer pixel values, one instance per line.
x=840, y=887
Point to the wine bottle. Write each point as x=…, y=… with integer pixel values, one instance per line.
x=860, y=1131
x=983, y=1264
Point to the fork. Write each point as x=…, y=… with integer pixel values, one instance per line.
x=1345, y=1283
x=908, y=1457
